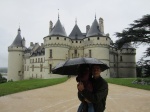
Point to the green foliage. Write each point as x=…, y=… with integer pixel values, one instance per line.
x=128, y=82
x=2, y=79
x=18, y=86
x=138, y=32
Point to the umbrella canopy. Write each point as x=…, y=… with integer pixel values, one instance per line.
x=70, y=67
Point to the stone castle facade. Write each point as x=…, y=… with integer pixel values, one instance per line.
x=37, y=61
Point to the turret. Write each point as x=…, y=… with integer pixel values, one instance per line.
x=56, y=43
x=96, y=45
x=15, y=58
x=126, y=61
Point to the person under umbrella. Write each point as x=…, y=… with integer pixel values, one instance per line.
x=100, y=90
x=84, y=77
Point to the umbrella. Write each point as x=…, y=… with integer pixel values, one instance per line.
x=70, y=66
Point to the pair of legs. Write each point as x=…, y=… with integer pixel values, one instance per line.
x=88, y=106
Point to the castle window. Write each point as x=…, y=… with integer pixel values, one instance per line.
x=114, y=65
x=50, y=68
x=32, y=67
x=106, y=38
x=64, y=38
x=49, y=38
x=76, y=41
x=75, y=52
x=36, y=60
x=41, y=60
x=90, y=54
x=120, y=58
x=57, y=38
x=41, y=66
x=88, y=39
x=97, y=38
x=27, y=68
x=50, y=54
x=80, y=41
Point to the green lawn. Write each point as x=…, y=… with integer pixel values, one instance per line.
x=128, y=82
x=18, y=86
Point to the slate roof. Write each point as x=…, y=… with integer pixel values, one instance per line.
x=76, y=33
x=58, y=30
x=94, y=30
x=18, y=40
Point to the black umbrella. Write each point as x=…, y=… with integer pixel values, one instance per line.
x=70, y=67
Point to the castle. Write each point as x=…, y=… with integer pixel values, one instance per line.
x=37, y=61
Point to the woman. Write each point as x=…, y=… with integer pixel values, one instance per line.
x=84, y=77
x=100, y=90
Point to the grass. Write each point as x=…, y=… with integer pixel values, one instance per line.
x=128, y=82
x=19, y=86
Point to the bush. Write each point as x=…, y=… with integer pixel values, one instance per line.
x=2, y=79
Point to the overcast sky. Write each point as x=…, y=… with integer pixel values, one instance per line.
x=33, y=17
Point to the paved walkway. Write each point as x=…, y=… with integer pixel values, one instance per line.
x=63, y=98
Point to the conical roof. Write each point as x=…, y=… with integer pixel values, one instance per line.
x=18, y=40
x=58, y=30
x=76, y=33
x=94, y=30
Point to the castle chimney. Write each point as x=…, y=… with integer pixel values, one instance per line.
x=87, y=28
x=23, y=42
x=101, y=25
x=31, y=44
x=50, y=26
x=41, y=44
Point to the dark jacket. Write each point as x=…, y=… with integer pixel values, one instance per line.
x=99, y=94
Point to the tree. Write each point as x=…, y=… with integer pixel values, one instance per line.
x=138, y=33
x=2, y=79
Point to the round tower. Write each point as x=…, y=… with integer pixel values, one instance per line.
x=126, y=61
x=56, y=46
x=96, y=45
x=15, y=58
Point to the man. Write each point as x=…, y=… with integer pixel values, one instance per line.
x=100, y=90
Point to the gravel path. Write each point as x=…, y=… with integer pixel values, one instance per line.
x=63, y=98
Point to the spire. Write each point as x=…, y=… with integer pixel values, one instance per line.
x=19, y=31
x=76, y=21
x=58, y=13
x=94, y=30
x=58, y=30
x=95, y=15
x=76, y=33
x=18, y=40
